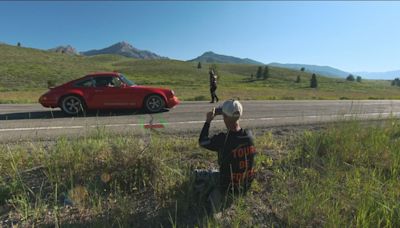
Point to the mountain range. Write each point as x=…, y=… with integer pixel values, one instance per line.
x=127, y=50
x=124, y=49
x=388, y=75
x=211, y=57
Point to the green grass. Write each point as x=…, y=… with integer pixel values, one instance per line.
x=25, y=69
x=344, y=175
x=98, y=173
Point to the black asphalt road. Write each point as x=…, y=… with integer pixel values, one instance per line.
x=33, y=122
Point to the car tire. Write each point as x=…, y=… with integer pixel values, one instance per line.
x=154, y=103
x=72, y=105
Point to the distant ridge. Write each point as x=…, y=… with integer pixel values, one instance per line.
x=322, y=70
x=68, y=49
x=125, y=49
x=387, y=75
x=211, y=57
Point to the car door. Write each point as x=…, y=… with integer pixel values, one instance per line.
x=132, y=95
x=109, y=92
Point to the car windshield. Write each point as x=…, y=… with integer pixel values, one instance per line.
x=126, y=81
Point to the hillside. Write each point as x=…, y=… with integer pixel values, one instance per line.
x=31, y=68
x=124, y=49
x=68, y=49
x=323, y=70
x=24, y=73
x=211, y=57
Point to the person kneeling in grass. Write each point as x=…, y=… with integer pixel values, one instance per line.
x=236, y=153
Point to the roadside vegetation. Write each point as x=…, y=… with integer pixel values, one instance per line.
x=343, y=175
x=25, y=74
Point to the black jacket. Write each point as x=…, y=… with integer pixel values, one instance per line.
x=213, y=80
x=236, y=153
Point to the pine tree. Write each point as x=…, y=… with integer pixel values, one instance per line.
x=259, y=73
x=302, y=69
x=19, y=44
x=266, y=72
x=396, y=82
x=298, y=80
x=199, y=65
x=313, y=81
x=350, y=78
x=358, y=79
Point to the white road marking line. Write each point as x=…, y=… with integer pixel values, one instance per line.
x=200, y=121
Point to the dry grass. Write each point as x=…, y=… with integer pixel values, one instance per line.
x=345, y=175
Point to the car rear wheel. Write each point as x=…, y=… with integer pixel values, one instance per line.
x=72, y=105
x=154, y=103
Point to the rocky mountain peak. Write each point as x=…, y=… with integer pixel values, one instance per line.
x=66, y=49
x=125, y=49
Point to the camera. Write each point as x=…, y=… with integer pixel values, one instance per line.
x=218, y=111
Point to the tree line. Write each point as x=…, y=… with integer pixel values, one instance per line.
x=351, y=78
x=264, y=73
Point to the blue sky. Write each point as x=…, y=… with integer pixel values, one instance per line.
x=352, y=36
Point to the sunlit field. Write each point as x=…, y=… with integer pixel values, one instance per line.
x=25, y=72
x=343, y=175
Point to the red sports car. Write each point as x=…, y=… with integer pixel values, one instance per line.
x=107, y=90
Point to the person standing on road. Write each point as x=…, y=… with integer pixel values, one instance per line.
x=213, y=86
x=236, y=153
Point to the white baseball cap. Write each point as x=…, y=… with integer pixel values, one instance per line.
x=232, y=108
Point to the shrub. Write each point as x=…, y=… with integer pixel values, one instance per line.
x=350, y=78
x=313, y=81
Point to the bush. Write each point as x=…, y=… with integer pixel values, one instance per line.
x=313, y=81
x=50, y=83
x=298, y=79
x=350, y=78
x=396, y=82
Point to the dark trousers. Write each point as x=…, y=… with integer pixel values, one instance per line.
x=213, y=94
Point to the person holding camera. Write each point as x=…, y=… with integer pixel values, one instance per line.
x=236, y=153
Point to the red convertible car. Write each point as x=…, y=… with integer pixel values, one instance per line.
x=107, y=90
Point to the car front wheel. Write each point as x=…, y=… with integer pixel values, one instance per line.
x=72, y=105
x=154, y=103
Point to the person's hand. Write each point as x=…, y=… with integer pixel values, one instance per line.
x=210, y=116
